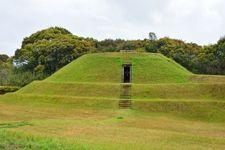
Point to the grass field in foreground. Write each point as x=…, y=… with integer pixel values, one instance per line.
x=45, y=123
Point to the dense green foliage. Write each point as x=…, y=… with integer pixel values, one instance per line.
x=3, y=58
x=41, y=54
x=110, y=45
x=6, y=89
x=212, y=59
x=4, y=67
x=205, y=60
x=13, y=76
x=50, y=49
x=10, y=75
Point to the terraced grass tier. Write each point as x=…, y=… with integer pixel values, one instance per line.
x=138, y=91
x=197, y=109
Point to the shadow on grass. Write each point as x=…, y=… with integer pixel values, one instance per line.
x=14, y=125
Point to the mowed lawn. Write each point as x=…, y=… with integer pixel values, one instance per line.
x=47, y=124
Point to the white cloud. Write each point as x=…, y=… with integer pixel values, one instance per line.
x=198, y=21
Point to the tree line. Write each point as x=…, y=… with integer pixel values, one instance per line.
x=198, y=59
x=46, y=51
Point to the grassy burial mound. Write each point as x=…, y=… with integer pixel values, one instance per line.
x=153, y=76
x=99, y=75
x=94, y=81
x=107, y=67
x=78, y=107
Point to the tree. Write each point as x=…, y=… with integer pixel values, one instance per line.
x=206, y=61
x=152, y=36
x=4, y=67
x=50, y=49
x=181, y=52
x=4, y=58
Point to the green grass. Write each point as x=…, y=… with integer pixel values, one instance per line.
x=72, y=89
x=13, y=124
x=211, y=111
x=107, y=67
x=155, y=68
x=90, y=68
x=193, y=109
x=78, y=107
x=139, y=91
x=13, y=140
x=207, y=78
x=57, y=125
x=179, y=91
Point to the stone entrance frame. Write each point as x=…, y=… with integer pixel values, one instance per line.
x=126, y=73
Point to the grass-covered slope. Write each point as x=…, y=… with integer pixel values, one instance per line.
x=196, y=91
x=153, y=76
x=107, y=67
x=94, y=80
x=91, y=68
x=155, y=68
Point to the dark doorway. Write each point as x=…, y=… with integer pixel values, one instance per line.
x=127, y=73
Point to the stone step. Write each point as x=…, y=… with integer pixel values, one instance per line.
x=122, y=97
x=125, y=103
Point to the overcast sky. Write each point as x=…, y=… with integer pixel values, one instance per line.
x=199, y=21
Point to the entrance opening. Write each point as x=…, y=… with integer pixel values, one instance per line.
x=127, y=73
